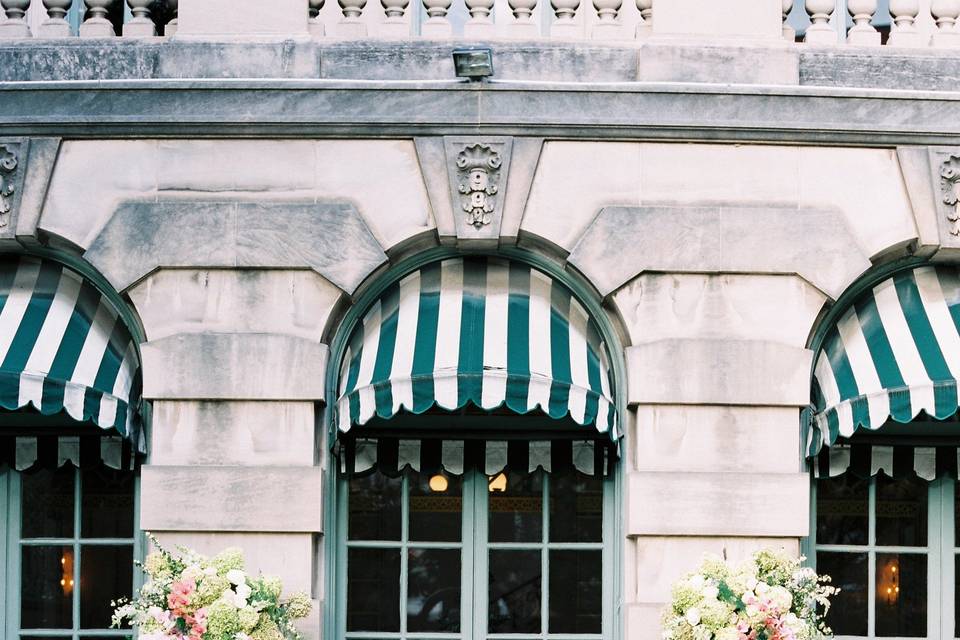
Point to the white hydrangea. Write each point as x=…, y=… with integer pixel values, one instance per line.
x=236, y=576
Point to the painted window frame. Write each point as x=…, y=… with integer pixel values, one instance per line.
x=11, y=543
x=474, y=556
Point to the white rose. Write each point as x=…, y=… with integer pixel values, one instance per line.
x=233, y=598
x=243, y=591
x=693, y=616
x=235, y=576
x=710, y=592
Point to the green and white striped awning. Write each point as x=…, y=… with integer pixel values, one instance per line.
x=477, y=330
x=894, y=353
x=63, y=347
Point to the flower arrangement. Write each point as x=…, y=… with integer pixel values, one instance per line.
x=191, y=597
x=769, y=597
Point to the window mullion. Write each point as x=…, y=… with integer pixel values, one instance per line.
x=947, y=557
x=479, y=512
x=404, y=538
x=872, y=558
x=545, y=558
x=13, y=552
x=77, y=496
x=934, y=570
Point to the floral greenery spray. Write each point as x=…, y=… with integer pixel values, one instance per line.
x=191, y=597
x=769, y=597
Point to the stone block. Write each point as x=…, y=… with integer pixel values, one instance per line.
x=921, y=184
x=288, y=556
x=722, y=372
x=433, y=160
x=944, y=176
x=235, y=165
x=718, y=504
x=329, y=237
x=574, y=180
x=478, y=169
x=642, y=621
x=523, y=168
x=233, y=366
x=741, y=19
x=674, y=62
x=233, y=433
x=236, y=499
x=704, y=438
x=39, y=170
x=278, y=18
x=772, y=308
x=280, y=301
x=815, y=244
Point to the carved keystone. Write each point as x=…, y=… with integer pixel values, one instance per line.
x=11, y=182
x=478, y=170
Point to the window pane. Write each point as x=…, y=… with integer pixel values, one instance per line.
x=576, y=591
x=901, y=595
x=373, y=590
x=515, y=592
x=435, y=507
x=516, y=511
x=106, y=503
x=433, y=594
x=48, y=503
x=576, y=507
x=374, y=507
x=46, y=588
x=106, y=573
x=848, y=610
x=901, y=511
x=842, y=505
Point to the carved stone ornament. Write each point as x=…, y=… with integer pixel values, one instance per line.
x=8, y=179
x=950, y=190
x=478, y=177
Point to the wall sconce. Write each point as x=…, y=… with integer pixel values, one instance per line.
x=474, y=63
x=498, y=483
x=439, y=483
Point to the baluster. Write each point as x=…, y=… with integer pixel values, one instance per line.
x=97, y=25
x=315, y=25
x=862, y=32
x=394, y=25
x=352, y=25
x=141, y=25
x=55, y=25
x=645, y=28
x=480, y=24
x=789, y=33
x=945, y=12
x=437, y=25
x=820, y=31
x=523, y=25
x=608, y=26
x=15, y=25
x=904, y=32
x=171, y=26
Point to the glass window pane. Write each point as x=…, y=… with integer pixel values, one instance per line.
x=842, y=505
x=46, y=588
x=48, y=503
x=435, y=507
x=848, y=610
x=901, y=598
x=576, y=591
x=106, y=503
x=373, y=590
x=901, y=511
x=515, y=591
x=576, y=507
x=106, y=573
x=374, y=506
x=433, y=592
x=516, y=507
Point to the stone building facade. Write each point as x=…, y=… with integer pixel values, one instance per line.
x=712, y=196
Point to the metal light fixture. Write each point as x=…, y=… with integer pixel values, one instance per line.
x=474, y=63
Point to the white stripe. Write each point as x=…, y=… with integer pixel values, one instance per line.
x=584, y=459
x=121, y=387
x=55, y=324
x=839, y=460
x=854, y=343
x=91, y=355
x=448, y=333
x=365, y=455
x=845, y=419
x=495, y=457
x=408, y=453
x=904, y=348
x=823, y=372
x=539, y=455
x=108, y=411
x=368, y=403
x=368, y=358
x=31, y=389
x=881, y=458
x=451, y=456
x=73, y=400
x=16, y=305
x=936, y=307
x=879, y=406
x=343, y=415
x=578, y=362
x=344, y=371
x=408, y=314
x=495, y=335
x=925, y=462
x=603, y=409
x=540, y=363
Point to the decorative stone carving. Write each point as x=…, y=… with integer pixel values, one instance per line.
x=950, y=190
x=478, y=170
x=9, y=176
x=479, y=178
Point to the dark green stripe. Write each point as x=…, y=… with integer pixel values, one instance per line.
x=386, y=345
x=833, y=426
x=425, y=346
x=8, y=273
x=950, y=286
x=473, y=305
x=559, y=404
x=594, y=344
x=68, y=354
x=840, y=364
x=51, y=400
x=884, y=362
x=112, y=357
x=518, y=338
x=32, y=322
x=91, y=404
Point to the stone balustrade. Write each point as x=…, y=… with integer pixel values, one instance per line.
x=862, y=23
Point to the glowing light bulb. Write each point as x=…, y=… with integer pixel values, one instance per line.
x=63, y=560
x=498, y=483
x=897, y=589
x=63, y=582
x=893, y=568
x=889, y=590
x=439, y=483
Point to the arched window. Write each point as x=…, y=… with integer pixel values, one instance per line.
x=884, y=445
x=69, y=439
x=477, y=435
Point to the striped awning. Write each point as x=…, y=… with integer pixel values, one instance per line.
x=477, y=330
x=894, y=353
x=63, y=347
x=26, y=453
x=865, y=460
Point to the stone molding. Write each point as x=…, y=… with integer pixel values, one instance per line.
x=478, y=169
x=13, y=168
